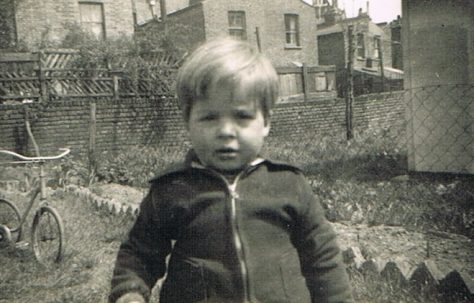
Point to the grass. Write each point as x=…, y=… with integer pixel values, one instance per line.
x=356, y=182
x=84, y=273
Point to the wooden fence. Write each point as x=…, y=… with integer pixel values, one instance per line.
x=49, y=75
x=307, y=81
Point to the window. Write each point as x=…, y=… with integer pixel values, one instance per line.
x=376, y=48
x=92, y=18
x=292, y=30
x=360, y=46
x=237, y=27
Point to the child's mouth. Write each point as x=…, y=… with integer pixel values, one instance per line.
x=226, y=153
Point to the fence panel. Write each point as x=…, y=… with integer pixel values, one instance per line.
x=441, y=128
x=308, y=81
x=50, y=74
x=57, y=59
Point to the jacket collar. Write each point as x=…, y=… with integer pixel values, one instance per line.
x=192, y=161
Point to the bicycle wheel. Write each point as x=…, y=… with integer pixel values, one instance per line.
x=9, y=217
x=47, y=236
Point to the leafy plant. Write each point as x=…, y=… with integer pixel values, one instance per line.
x=135, y=166
x=70, y=171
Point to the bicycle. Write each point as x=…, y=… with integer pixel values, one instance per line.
x=47, y=230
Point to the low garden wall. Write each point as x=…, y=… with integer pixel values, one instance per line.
x=157, y=121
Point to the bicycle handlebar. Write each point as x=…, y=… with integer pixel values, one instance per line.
x=43, y=158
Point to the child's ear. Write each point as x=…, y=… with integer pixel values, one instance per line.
x=266, y=129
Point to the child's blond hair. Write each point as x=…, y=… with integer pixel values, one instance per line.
x=227, y=61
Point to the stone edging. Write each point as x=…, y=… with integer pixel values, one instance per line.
x=110, y=206
x=426, y=275
x=399, y=272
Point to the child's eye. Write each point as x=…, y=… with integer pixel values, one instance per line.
x=245, y=115
x=209, y=117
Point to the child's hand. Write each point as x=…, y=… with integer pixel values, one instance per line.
x=132, y=297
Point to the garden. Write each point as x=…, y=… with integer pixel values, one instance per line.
x=376, y=206
x=381, y=212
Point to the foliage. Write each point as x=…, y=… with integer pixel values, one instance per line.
x=93, y=237
x=120, y=52
x=136, y=165
x=70, y=171
x=363, y=181
x=340, y=175
x=151, y=58
x=84, y=273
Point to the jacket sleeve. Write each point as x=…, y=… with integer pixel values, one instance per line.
x=321, y=260
x=141, y=259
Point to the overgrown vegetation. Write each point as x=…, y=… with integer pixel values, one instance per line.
x=130, y=53
x=148, y=59
x=361, y=182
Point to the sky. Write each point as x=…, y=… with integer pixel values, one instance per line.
x=379, y=10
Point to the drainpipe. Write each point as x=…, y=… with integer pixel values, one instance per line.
x=163, y=14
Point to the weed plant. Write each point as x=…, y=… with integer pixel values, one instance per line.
x=364, y=181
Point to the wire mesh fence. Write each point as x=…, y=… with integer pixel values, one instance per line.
x=441, y=128
x=415, y=171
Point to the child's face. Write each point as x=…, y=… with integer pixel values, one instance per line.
x=227, y=131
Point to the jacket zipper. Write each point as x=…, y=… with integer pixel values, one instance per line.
x=237, y=237
x=235, y=229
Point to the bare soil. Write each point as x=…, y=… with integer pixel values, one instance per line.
x=449, y=251
x=84, y=275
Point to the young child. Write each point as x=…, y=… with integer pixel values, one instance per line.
x=246, y=229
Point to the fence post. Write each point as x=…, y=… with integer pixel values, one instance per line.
x=115, y=83
x=42, y=79
x=382, y=72
x=304, y=73
x=92, y=138
x=350, y=84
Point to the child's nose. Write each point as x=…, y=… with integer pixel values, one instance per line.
x=226, y=130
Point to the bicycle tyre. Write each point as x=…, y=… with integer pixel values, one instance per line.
x=47, y=236
x=11, y=218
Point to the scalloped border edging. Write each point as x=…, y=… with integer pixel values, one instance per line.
x=110, y=206
x=398, y=271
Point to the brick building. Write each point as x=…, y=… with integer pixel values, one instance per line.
x=47, y=19
x=283, y=29
x=368, y=39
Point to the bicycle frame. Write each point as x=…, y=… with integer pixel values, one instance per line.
x=47, y=231
x=41, y=189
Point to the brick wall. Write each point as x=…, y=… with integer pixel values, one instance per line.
x=211, y=17
x=158, y=122
x=47, y=18
x=378, y=110
x=268, y=16
x=186, y=26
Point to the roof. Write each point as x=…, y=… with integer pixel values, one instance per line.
x=389, y=72
x=336, y=28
